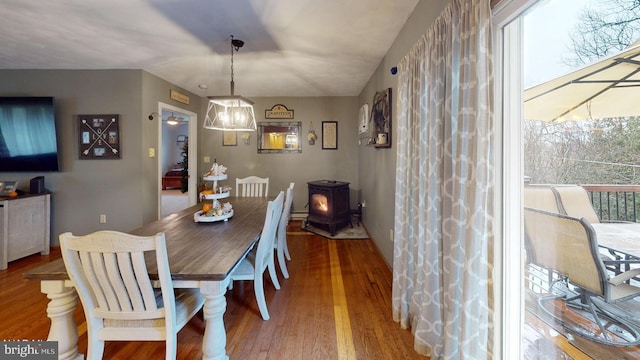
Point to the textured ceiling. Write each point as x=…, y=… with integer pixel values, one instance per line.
x=292, y=47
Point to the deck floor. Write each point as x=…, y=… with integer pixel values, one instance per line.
x=547, y=338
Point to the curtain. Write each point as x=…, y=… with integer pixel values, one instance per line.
x=442, y=266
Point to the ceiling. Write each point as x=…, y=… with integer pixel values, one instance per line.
x=292, y=47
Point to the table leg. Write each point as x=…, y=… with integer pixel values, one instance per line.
x=60, y=310
x=215, y=335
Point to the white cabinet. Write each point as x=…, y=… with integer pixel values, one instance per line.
x=24, y=227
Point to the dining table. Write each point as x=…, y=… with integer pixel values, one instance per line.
x=201, y=255
x=622, y=237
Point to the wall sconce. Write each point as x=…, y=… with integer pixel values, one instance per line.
x=245, y=137
x=311, y=136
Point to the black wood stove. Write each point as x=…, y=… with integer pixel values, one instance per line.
x=329, y=204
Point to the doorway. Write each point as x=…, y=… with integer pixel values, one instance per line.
x=176, y=153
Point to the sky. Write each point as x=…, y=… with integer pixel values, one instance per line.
x=546, y=31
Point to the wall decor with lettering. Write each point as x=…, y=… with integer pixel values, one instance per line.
x=98, y=137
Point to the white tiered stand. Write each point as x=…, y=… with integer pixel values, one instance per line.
x=199, y=216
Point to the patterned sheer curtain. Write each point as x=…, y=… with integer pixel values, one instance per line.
x=442, y=267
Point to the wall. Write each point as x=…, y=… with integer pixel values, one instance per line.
x=84, y=189
x=313, y=163
x=377, y=166
x=156, y=90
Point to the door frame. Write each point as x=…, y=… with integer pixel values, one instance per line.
x=192, y=153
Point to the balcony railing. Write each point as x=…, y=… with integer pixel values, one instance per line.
x=615, y=202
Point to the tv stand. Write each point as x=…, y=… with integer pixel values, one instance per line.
x=24, y=227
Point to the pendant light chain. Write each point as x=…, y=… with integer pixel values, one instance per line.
x=232, y=83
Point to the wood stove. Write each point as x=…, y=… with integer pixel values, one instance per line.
x=329, y=204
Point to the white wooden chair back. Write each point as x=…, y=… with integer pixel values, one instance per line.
x=262, y=258
x=109, y=272
x=281, y=242
x=266, y=244
x=252, y=186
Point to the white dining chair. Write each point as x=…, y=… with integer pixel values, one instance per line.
x=261, y=257
x=282, y=249
x=109, y=273
x=252, y=186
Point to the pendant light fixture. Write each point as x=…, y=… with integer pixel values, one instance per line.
x=172, y=120
x=230, y=113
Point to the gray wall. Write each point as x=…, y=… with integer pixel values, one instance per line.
x=313, y=163
x=125, y=189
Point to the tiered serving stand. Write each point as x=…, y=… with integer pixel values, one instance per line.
x=214, y=198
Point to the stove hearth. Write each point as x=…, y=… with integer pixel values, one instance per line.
x=329, y=204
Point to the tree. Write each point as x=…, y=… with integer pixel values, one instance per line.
x=604, y=30
x=599, y=151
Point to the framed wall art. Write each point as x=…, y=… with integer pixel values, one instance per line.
x=229, y=138
x=99, y=137
x=380, y=119
x=330, y=135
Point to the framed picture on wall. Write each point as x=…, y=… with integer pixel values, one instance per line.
x=99, y=137
x=330, y=135
x=229, y=138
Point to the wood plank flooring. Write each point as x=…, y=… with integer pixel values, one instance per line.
x=335, y=305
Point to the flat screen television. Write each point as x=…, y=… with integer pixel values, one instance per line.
x=28, y=140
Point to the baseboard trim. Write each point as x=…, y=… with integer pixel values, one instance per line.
x=299, y=215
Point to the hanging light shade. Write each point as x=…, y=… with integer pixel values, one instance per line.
x=172, y=120
x=231, y=112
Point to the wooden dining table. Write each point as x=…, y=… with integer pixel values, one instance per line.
x=201, y=255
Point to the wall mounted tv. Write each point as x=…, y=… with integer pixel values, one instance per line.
x=28, y=140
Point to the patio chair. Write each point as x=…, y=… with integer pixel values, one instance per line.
x=568, y=247
x=542, y=197
x=574, y=199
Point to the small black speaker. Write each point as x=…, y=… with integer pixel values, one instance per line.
x=36, y=186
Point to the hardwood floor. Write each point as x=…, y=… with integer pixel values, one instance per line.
x=335, y=305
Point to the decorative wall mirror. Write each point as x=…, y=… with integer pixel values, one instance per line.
x=279, y=137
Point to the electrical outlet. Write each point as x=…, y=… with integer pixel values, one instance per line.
x=103, y=218
x=152, y=152
x=207, y=159
x=391, y=235
x=364, y=203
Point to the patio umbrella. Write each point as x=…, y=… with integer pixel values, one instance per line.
x=607, y=88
